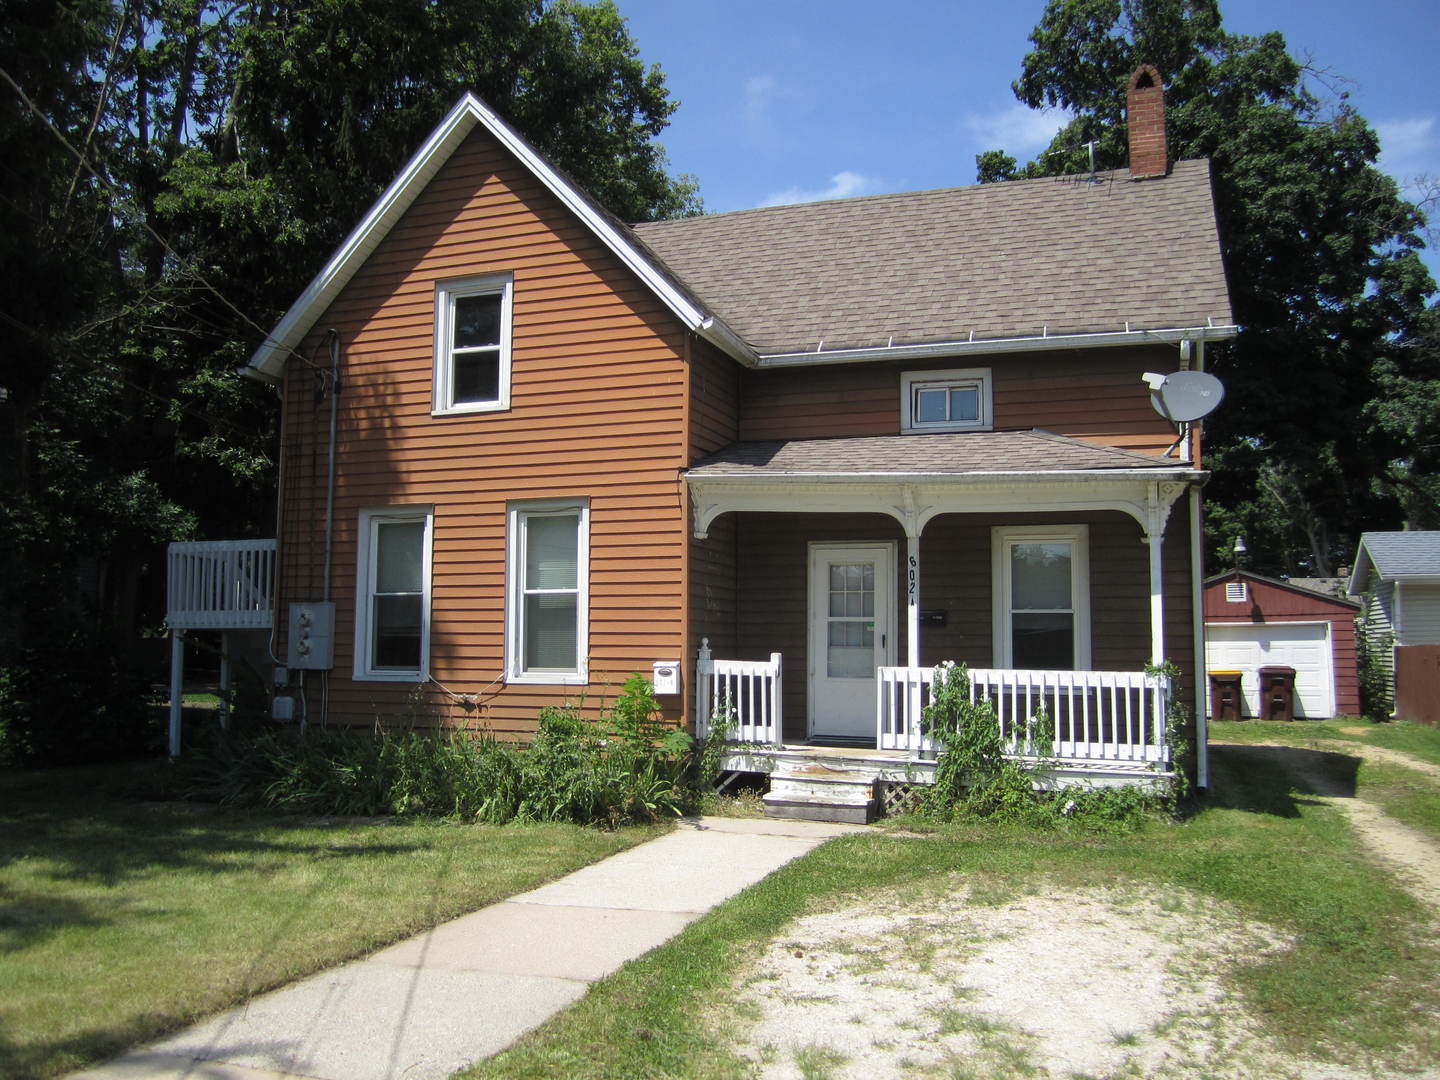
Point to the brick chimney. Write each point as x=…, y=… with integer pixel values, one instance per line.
x=1145, y=115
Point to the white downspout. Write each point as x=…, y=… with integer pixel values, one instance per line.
x=1197, y=601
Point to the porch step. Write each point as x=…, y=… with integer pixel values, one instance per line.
x=820, y=793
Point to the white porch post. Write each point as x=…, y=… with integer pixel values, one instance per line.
x=177, y=684
x=912, y=599
x=1158, y=511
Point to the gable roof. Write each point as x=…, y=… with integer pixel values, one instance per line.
x=1332, y=591
x=1026, y=264
x=939, y=454
x=1396, y=556
x=1013, y=261
x=268, y=361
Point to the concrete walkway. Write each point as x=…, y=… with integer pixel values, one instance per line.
x=469, y=988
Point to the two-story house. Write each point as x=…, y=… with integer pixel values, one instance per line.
x=802, y=453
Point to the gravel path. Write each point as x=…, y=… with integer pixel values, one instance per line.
x=1110, y=982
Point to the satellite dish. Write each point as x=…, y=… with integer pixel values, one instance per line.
x=1183, y=396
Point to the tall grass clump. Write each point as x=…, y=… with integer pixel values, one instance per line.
x=627, y=766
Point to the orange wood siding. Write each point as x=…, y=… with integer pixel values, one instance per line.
x=772, y=553
x=1095, y=395
x=598, y=403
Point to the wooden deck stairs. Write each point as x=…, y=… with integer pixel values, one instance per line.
x=817, y=791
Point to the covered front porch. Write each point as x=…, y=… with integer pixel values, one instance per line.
x=827, y=595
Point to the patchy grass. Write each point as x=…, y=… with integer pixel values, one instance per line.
x=1358, y=985
x=123, y=920
x=1410, y=797
x=1414, y=739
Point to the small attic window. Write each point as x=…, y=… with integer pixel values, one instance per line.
x=1236, y=592
x=957, y=400
x=472, y=345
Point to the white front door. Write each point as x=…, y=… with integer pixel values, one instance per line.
x=852, y=632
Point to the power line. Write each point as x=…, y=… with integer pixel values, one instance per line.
x=83, y=161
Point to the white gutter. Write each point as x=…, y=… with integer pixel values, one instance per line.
x=988, y=475
x=985, y=346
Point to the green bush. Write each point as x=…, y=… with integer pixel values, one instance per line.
x=628, y=766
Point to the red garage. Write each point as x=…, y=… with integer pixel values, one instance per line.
x=1253, y=622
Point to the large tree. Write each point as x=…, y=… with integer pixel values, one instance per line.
x=175, y=171
x=1320, y=250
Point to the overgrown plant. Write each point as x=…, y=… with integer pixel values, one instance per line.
x=626, y=766
x=976, y=777
x=1373, y=651
x=1177, y=733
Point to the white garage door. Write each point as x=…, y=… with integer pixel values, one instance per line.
x=1303, y=646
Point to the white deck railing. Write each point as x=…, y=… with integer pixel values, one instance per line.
x=221, y=585
x=745, y=693
x=1096, y=715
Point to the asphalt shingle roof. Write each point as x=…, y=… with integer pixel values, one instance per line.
x=948, y=453
x=1403, y=554
x=1074, y=254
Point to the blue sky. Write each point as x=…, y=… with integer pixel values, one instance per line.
x=792, y=100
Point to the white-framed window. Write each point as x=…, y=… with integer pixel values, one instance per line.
x=472, y=345
x=392, y=594
x=1041, y=581
x=956, y=400
x=547, y=591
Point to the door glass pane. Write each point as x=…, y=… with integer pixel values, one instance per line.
x=477, y=321
x=551, y=558
x=1040, y=576
x=397, y=632
x=477, y=376
x=850, y=653
x=399, y=556
x=550, y=632
x=1043, y=640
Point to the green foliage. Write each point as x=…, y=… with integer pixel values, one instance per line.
x=625, y=767
x=1325, y=428
x=976, y=778
x=1373, y=653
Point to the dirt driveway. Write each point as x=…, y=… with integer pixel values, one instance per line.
x=1119, y=980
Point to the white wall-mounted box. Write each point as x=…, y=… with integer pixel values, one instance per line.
x=667, y=676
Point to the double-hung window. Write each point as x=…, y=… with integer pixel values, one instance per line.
x=957, y=400
x=547, y=592
x=1041, y=597
x=472, y=344
x=392, y=625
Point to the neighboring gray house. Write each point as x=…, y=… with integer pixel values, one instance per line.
x=1398, y=576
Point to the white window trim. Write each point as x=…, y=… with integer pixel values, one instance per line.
x=1002, y=537
x=446, y=293
x=909, y=381
x=518, y=512
x=364, y=598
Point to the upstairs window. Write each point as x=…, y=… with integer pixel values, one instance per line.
x=472, y=345
x=956, y=400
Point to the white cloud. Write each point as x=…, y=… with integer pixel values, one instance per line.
x=1409, y=146
x=1017, y=130
x=843, y=185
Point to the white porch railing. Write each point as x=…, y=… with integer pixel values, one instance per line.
x=1096, y=715
x=745, y=692
x=221, y=585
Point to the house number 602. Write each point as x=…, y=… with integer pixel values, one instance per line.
x=913, y=574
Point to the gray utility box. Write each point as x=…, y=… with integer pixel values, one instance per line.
x=312, y=637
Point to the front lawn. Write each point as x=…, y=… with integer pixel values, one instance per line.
x=1413, y=739
x=1357, y=982
x=122, y=920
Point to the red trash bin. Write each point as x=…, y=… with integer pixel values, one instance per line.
x=1277, y=692
x=1226, y=703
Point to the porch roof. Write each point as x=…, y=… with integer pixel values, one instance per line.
x=970, y=453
